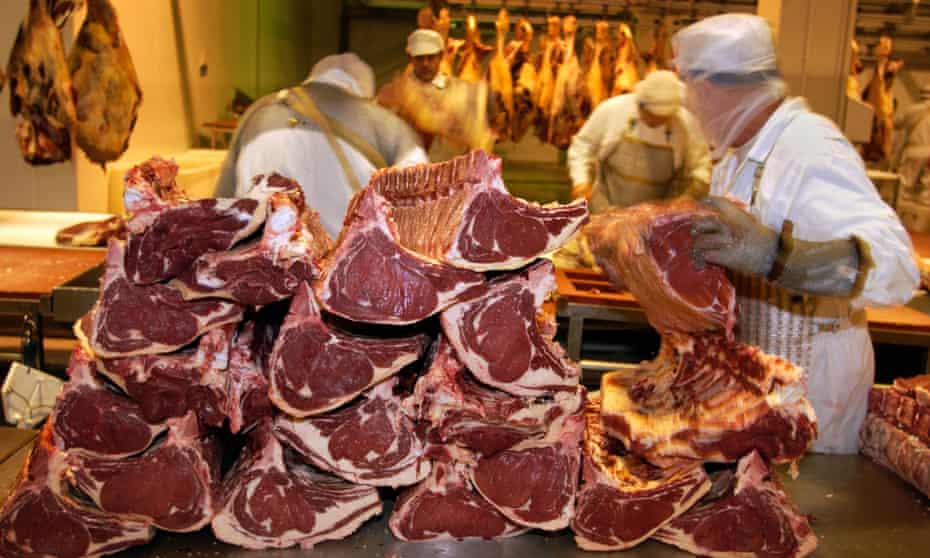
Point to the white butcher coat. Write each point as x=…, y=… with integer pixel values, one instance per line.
x=814, y=178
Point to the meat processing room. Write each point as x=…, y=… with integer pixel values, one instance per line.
x=465, y=278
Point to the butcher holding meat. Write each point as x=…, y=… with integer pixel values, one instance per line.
x=803, y=230
x=638, y=147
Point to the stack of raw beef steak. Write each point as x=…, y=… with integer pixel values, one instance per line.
x=211, y=317
x=896, y=431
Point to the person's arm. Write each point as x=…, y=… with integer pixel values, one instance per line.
x=398, y=143
x=582, y=153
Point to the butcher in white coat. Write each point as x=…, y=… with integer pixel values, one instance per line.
x=327, y=134
x=803, y=230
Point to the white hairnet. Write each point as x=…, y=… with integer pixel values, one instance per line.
x=423, y=42
x=346, y=71
x=660, y=93
x=729, y=67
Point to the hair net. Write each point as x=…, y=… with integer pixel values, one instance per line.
x=346, y=71
x=728, y=65
x=423, y=42
x=660, y=93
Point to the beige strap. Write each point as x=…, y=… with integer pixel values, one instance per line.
x=303, y=103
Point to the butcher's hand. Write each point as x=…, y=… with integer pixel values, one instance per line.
x=582, y=191
x=734, y=239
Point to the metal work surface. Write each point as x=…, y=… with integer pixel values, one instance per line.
x=859, y=510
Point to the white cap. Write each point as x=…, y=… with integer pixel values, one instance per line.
x=423, y=42
x=736, y=47
x=660, y=93
x=346, y=71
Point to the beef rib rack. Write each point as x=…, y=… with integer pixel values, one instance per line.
x=40, y=505
x=708, y=398
x=173, y=485
x=90, y=418
x=371, y=441
x=167, y=386
x=167, y=232
x=370, y=277
x=749, y=516
x=503, y=339
x=268, y=269
x=273, y=501
x=457, y=410
x=130, y=319
x=459, y=212
x=316, y=368
x=534, y=482
x=647, y=248
x=623, y=499
x=445, y=506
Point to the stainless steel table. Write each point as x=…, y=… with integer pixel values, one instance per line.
x=859, y=510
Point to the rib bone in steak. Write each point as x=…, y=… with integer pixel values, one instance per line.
x=91, y=418
x=246, y=385
x=173, y=485
x=167, y=232
x=40, y=518
x=647, y=248
x=270, y=501
x=370, y=277
x=315, y=368
x=458, y=410
x=503, y=339
x=897, y=450
x=167, y=386
x=534, y=483
x=706, y=397
x=750, y=519
x=271, y=268
x=371, y=441
x=130, y=319
x=623, y=499
x=445, y=506
x=459, y=212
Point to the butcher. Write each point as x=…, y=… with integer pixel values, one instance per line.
x=638, y=147
x=913, y=151
x=326, y=133
x=808, y=240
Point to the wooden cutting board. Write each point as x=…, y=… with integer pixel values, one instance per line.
x=29, y=273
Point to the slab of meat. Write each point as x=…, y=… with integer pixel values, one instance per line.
x=130, y=319
x=459, y=212
x=106, y=90
x=93, y=419
x=173, y=485
x=524, y=81
x=503, y=339
x=246, y=381
x=473, y=52
x=595, y=84
x=167, y=386
x=534, y=482
x=501, y=80
x=273, y=501
x=623, y=499
x=167, y=232
x=315, y=368
x=749, y=518
x=369, y=442
x=711, y=399
x=626, y=72
x=92, y=233
x=906, y=405
x=897, y=450
x=917, y=388
x=565, y=114
x=647, y=248
x=271, y=268
x=40, y=518
x=41, y=90
x=409, y=288
x=546, y=68
x=445, y=506
x=460, y=411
